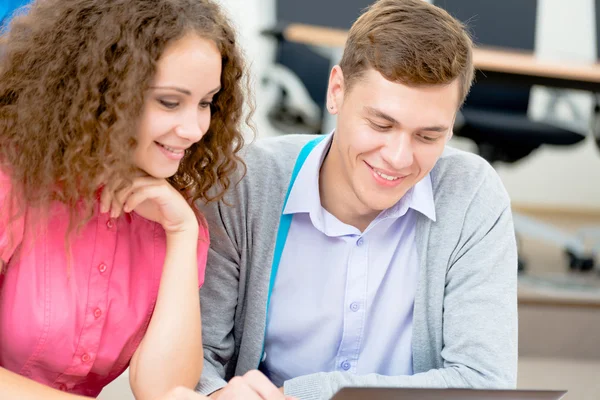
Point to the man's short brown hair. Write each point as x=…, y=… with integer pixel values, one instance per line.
x=411, y=42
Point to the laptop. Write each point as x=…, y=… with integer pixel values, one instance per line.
x=445, y=394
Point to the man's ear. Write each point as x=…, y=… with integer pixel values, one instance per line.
x=335, y=90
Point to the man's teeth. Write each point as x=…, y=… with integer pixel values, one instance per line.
x=172, y=150
x=387, y=177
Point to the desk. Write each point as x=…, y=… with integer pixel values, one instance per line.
x=501, y=65
x=580, y=377
x=493, y=63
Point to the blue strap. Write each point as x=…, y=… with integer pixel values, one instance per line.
x=285, y=220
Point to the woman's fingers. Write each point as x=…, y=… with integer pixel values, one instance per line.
x=105, y=199
x=166, y=205
x=137, y=196
x=108, y=194
x=115, y=194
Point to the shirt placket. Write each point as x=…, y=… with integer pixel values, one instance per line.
x=355, y=306
x=97, y=302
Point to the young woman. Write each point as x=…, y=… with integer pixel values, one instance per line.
x=115, y=117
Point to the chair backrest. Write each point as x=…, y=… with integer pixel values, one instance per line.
x=312, y=68
x=332, y=13
x=507, y=24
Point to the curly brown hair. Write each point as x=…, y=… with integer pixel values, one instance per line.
x=73, y=74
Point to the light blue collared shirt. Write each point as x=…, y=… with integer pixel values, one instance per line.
x=342, y=299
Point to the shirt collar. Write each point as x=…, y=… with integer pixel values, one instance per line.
x=305, y=197
x=419, y=198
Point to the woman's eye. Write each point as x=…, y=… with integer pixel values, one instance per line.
x=168, y=104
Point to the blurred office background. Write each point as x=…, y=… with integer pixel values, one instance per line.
x=556, y=185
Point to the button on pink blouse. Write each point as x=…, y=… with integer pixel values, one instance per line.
x=75, y=326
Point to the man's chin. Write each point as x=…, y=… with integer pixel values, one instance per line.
x=377, y=205
x=384, y=202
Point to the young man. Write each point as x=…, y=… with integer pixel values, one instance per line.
x=373, y=256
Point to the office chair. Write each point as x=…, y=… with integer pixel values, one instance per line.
x=301, y=72
x=495, y=114
x=592, y=233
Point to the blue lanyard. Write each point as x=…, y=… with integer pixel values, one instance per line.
x=285, y=220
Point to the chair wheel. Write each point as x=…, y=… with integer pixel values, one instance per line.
x=577, y=263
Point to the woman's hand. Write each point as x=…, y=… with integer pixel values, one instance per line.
x=182, y=393
x=151, y=198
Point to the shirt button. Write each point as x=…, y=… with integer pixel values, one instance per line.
x=345, y=365
x=102, y=268
x=63, y=387
x=355, y=306
x=110, y=224
x=360, y=242
x=97, y=313
x=85, y=357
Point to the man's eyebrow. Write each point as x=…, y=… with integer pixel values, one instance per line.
x=435, y=128
x=380, y=114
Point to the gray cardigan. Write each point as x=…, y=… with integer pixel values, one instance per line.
x=465, y=311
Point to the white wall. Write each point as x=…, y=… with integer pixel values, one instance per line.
x=250, y=17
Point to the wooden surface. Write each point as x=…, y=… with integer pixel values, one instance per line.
x=579, y=377
x=524, y=63
x=484, y=58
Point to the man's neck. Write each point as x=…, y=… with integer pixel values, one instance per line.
x=337, y=196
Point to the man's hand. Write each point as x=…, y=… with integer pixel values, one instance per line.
x=252, y=386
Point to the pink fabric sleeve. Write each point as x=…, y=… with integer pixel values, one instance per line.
x=203, y=244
